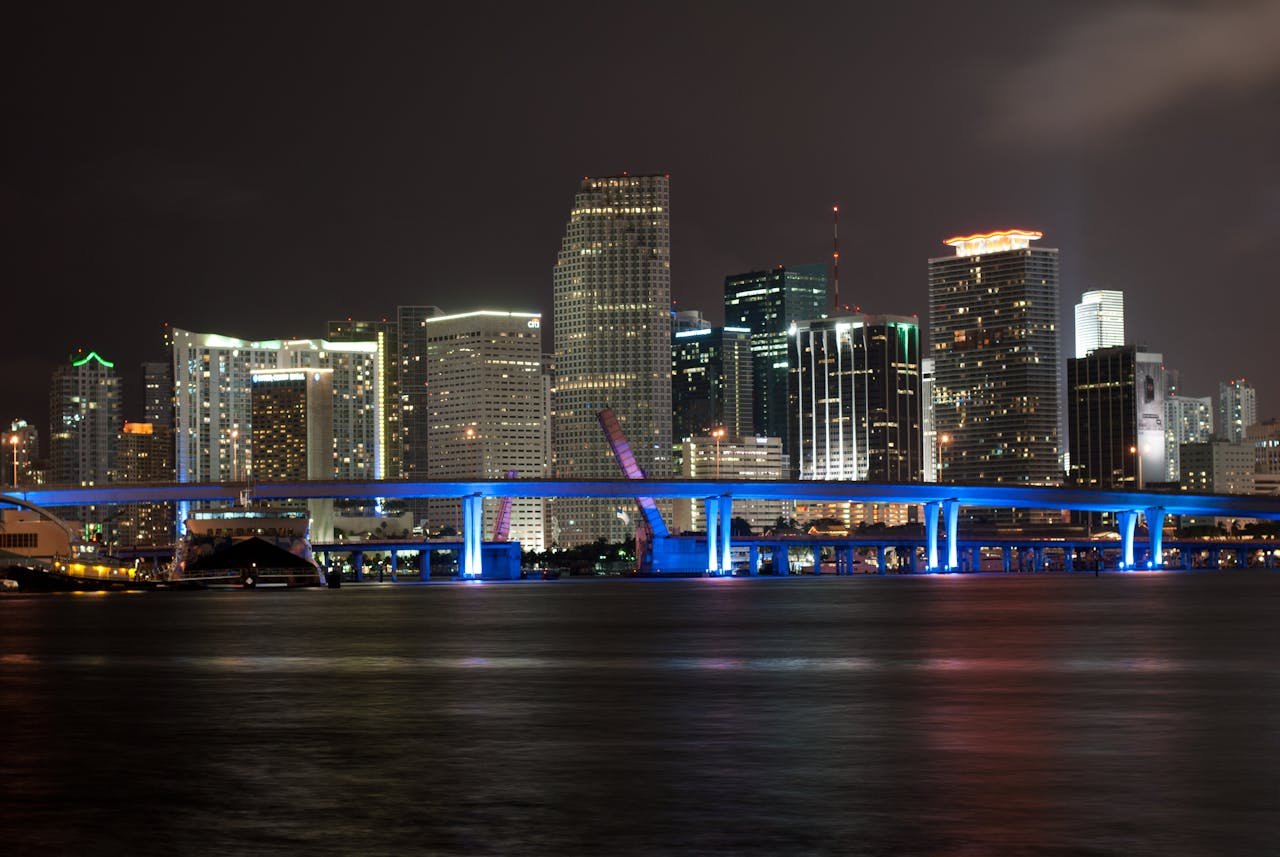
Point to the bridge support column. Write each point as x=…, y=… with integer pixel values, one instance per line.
x=1155, y=534
x=712, y=514
x=424, y=565
x=1215, y=559
x=472, y=523
x=753, y=560
x=931, y=535
x=1069, y=558
x=1006, y=558
x=726, y=535
x=951, y=517
x=817, y=559
x=357, y=566
x=395, y=566
x=1128, y=521
x=881, y=562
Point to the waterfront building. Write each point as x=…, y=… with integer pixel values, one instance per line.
x=1187, y=419
x=711, y=384
x=387, y=335
x=157, y=393
x=930, y=440
x=1099, y=321
x=1116, y=418
x=1237, y=409
x=84, y=416
x=487, y=408
x=993, y=317
x=144, y=453
x=766, y=303
x=612, y=301
x=21, y=452
x=1217, y=467
x=732, y=457
x=213, y=402
x=856, y=401
x=292, y=419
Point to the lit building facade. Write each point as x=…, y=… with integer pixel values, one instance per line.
x=387, y=335
x=928, y=432
x=486, y=403
x=1099, y=321
x=157, y=394
x=732, y=457
x=144, y=454
x=711, y=381
x=766, y=303
x=84, y=417
x=21, y=452
x=612, y=302
x=1187, y=419
x=1218, y=467
x=292, y=419
x=1237, y=409
x=993, y=322
x=1116, y=419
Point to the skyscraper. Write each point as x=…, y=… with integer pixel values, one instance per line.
x=144, y=454
x=292, y=419
x=21, y=451
x=387, y=335
x=993, y=325
x=486, y=403
x=1099, y=321
x=157, y=393
x=711, y=381
x=1115, y=418
x=415, y=420
x=1237, y=409
x=84, y=416
x=1187, y=419
x=766, y=303
x=928, y=431
x=612, y=342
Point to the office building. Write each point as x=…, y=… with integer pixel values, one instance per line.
x=1237, y=409
x=387, y=335
x=1187, y=419
x=732, y=457
x=1099, y=321
x=1265, y=438
x=486, y=403
x=84, y=417
x=928, y=432
x=612, y=343
x=144, y=453
x=993, y=323
x=292, y=419
x=711, y=383
x=1218, y=467
x=157, y=393
x=1116, y=418
x=766, y=303
x=21, y=452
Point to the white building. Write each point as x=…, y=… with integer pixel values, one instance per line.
x=745, y=458
x=1237, y=409
x=612, y=343
x=213, y=423
x=929, y=447
x=486, y=410
x=1099, y=321
x=1187, y=419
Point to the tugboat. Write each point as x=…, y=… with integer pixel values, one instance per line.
x=40, y=552
x=245, y=547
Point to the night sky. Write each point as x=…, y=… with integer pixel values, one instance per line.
x=258, y=172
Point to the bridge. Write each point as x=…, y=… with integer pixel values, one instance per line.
x=940, y=501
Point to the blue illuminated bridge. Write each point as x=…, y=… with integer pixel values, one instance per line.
x=711, y=553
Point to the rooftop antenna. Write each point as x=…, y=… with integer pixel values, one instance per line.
x=835, y=254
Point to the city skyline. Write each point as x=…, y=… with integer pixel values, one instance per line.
x=279, y=193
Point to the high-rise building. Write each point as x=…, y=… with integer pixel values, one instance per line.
x=1265, y=437
x=1116, y=418
x=84, y=417
x=1237, y=409
x=732, y=457
x=711, y=381
x=144, y=454
x=387, y=335
x=292, y=419
x=993, y=324
x=928, y=431
x=612, y=342
x=486, y=401
x=213, y=402
x=1099, y=321
x=157, y=393
x=1187, y=419
x=766, y=303
x=21, y=451
x=411, y=333
x=1218, y=467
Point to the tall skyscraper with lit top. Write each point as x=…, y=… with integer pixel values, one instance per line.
x=612, y=343
x=84, y=416
x=993, y=323
x=1099, y=321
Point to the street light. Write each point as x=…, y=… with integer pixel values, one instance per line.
x=718, y=433
x=1137, y=453
x=943, y=440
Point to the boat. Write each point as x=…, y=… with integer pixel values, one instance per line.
x=40, y=552
x=245, y=547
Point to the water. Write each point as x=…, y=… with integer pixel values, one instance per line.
x=1016, y=715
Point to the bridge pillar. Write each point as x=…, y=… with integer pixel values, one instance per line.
x=882, y=562
x=951, y=516
x=357, y=566
x=1155, y=534
x=394, y=564
x=1215, y=559
x=1006, y=558
x=1128, y=521
x=1069, y=558
x=753, y=560
x=1037, y=559
x=424, y=565
x=469, y=561
x=931, y=535
x=817, y=559
x=712, y=507
x=726, y=535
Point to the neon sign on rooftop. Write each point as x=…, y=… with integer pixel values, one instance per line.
x=993, y=242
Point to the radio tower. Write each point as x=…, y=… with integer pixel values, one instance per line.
x=835, y=254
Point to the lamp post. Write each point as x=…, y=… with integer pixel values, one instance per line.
x=943, y=440
x=13, y=443
x=1137, y=451
x=718, y=433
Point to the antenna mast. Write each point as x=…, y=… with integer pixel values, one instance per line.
x=835, y=254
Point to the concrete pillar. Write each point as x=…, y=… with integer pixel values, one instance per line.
x=357, y=566
x=1128, y=521
x=712, y=507
x=817, y=559
x=932, y=560
x=726, y=535
x=469, y=561
x=1006, y=558
x=424, y=565
x=951, y=517
x=1155, y=533
x=1069, y=558
x=881, y=562
x=753, y=560
x=1215, y=559
x=395, y=556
